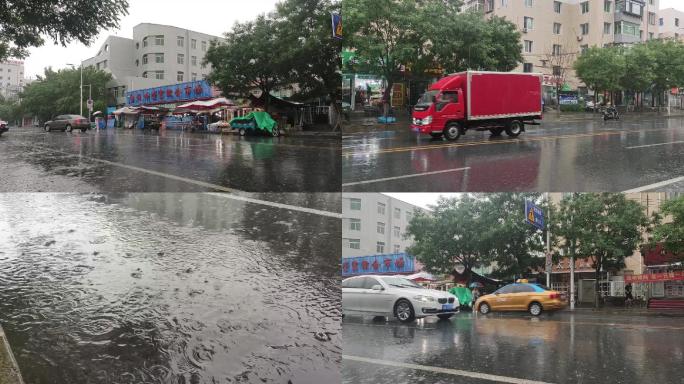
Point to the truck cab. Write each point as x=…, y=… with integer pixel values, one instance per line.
x=436, y=108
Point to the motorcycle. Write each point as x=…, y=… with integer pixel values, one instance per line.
x=611, y=113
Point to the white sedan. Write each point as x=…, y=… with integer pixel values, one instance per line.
x=392, y=296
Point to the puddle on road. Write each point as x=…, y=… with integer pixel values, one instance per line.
x=168, y=288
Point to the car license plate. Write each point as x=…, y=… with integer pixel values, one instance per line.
x=447, y=307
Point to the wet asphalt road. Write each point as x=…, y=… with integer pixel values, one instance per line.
x=562, y=348
x=590, y=156
x=136, y=161
x=171, y=288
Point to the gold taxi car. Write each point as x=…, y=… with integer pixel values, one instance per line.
x=521, y=296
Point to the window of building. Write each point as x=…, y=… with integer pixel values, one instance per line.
x=355, y=243
x=397, y=213
x=106, y=48
x=584, y=48
x=607, y=6
x=137, y=45
x=159, y=40
x=181, y=58
x=557, y=28
x=528, y=3
x=651, y=18
x=159, y=58
x=180, y=41
x=179, y=77
x=650, y=35
x=145, y=74
x=354, y=224
x=396, y=231
x=355, y=204
x=556, y=70
x=584, y=28
x=409, y=216
x=585, y=6
x=145, y=42
x=396, y=248
x=641, y=35
x=557, y=6
x=381, y=208
x=193, y=61
x=504, y=3
x=137, y=62
x=193, y=44
x=527, y=67
x=145, y=60
x=159, y=75
x=381, y=228
x=607, y=28
x=528, y=46
x=116, y=92
x=626, y=28
x=104, y=64
x=528, y=23
x=204, y=46
x=660, y=22
x=676, y=22
x=632, y=7
x=194, y=77
x=557, y=49
x=380, y=247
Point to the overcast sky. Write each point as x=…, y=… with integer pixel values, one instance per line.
x=208, y=16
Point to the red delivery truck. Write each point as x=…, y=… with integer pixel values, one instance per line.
x=494, y=101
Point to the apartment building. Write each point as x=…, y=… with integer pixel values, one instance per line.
x=374, y=224
x=567, y=27
x=157, y=55
x=11, y=78
x=671, y=23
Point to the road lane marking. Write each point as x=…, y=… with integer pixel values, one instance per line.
x=499, y=141
x=654, y=145
x=655, y=185
x=278, y=205
x=447, y=371
x=404, y=177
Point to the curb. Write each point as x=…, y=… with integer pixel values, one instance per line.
x=9, y=369
x=625, y=312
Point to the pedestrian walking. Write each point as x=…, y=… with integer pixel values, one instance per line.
x=629, y=299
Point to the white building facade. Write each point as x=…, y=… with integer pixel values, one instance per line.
x=11, y=78
x=671, y=24
x=374, y=224
x=157, y=55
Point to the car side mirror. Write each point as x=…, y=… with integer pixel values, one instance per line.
x=377, y=287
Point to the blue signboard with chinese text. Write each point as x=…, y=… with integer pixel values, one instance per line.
x=534, y=215
x=396, y=263
x=177, y=93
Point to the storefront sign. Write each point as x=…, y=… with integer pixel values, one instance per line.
x=177, y=93
x=398, y=95
x=569, y=99
x=655, y=277
x=378, y=264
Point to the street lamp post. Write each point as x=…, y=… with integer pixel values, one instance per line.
x=90, y=99
x=81, y=99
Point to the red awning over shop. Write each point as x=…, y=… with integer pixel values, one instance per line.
x=655, y=277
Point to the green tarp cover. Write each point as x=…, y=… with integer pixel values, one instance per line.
x=263, y=121
x=465, y=297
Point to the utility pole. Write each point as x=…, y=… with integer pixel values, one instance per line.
x=548, y=241
x=81, y=112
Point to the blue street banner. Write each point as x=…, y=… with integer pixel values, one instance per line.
x=177, y=93
x=337, y=26
x=396, y=263
x=534, y=215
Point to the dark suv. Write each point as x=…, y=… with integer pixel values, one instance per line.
x=67, y=123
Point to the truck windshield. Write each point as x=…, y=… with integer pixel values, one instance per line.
x=428, y=97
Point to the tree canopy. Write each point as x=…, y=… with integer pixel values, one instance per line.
x=605, y=228
x=478, y=230
x=24, y=22
x=668, y=227
x=58, y=92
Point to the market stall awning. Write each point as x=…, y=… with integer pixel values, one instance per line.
x=207, y=104
x=420, y=276
x=126, y=111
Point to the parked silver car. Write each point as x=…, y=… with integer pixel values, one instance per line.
x=67, y=123
x=394, y=296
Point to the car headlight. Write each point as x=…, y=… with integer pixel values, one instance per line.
x=415, y=121
x=424, y=298
x=427, y=120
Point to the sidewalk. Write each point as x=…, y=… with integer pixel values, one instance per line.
x=640, y=311
x=9, y=370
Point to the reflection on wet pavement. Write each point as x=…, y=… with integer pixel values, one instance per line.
x=561, y=348
x=169, y=288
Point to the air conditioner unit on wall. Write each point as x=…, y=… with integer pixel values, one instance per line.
x=580, y=38
x=524, y=30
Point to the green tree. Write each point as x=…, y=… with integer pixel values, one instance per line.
x=604, y=228
x=58, y=92
x=640, y=69
x=24, y=22
x=601, y=69
x=10, y=110
x=478, y=230
x=251, y=57
x=668, y=229
x=669, y=66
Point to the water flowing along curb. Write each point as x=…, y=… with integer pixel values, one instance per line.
x=9, y=369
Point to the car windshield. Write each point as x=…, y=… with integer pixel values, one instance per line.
x=400, y=282
x=428, y=97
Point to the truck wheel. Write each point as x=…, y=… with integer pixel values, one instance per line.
x=452, y=131
x=436, y=135
x=496, y=131
x=514, y=128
